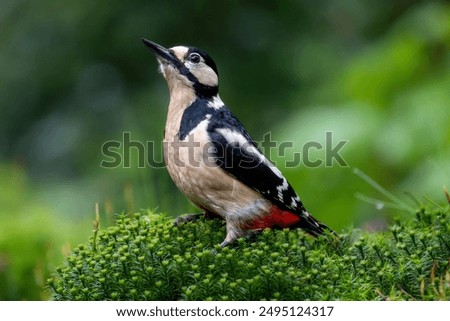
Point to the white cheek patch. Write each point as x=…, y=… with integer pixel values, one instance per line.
x=204, y=74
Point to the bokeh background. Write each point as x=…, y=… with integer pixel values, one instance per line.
x=74, y=75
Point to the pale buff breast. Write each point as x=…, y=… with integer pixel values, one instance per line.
x=201, y=180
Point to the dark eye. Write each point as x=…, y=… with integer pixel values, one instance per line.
x=194, y=58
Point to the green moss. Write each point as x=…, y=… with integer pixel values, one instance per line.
x=145, y=257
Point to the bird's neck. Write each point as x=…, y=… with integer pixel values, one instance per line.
x=181, y=97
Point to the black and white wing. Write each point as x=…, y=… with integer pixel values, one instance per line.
x=237, y=153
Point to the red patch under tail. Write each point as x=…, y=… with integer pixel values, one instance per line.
x=275, y=219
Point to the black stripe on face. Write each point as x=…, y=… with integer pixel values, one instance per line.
x=204, y=91
x=201, y=90
x=168, y=57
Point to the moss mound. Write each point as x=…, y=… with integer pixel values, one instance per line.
x=145, y=257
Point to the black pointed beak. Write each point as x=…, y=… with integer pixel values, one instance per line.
x=160, y=51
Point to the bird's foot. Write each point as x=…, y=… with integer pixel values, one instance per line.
x=249, y=236
x=224, y=243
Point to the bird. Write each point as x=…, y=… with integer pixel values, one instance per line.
x=212, y=158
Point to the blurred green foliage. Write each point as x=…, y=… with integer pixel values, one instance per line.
x=148, y=258
x=75, y=75
x=33, y=239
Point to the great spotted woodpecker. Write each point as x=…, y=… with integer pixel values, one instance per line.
x=213, y=160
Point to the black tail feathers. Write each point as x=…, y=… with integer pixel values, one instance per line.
x=313, y=226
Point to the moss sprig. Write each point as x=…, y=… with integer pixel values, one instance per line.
x=146, y=257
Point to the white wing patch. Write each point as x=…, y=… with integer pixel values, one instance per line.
x=283, y=187
x=275, y=170
x=280, y=191
x=235, y=137
x=294, y=202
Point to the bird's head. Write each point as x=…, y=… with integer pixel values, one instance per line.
x=187, y=68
